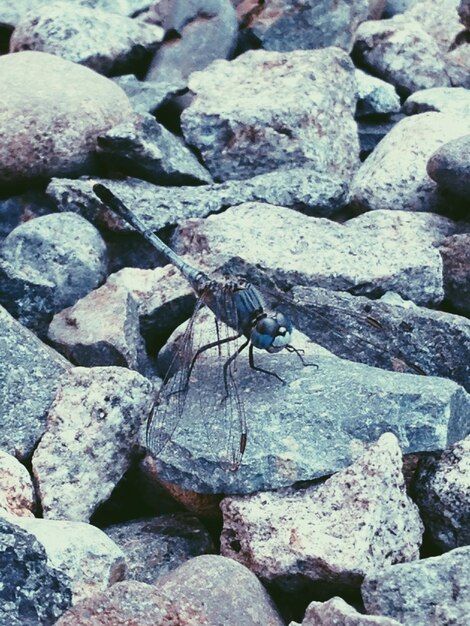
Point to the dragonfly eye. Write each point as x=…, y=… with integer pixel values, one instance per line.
x=272, y=332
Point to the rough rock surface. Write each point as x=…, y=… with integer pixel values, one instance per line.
x=442, y=493
x=103, y=41
x=95, y=416
x=375, y=96
x=464, y=12
x=44, y=132
x=358, y=521
x=16, y=210
x=458, y=64
x=147, y=97
x=449, y=167
x=452, y=100
x=455, y=251
x=434, y=590
x=385, y=182
x=16, y=488
x=338, y=613
x=29, y=377
x=439, y=18
x=272, y=109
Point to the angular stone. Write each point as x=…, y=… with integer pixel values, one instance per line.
x=400, y=51
x=16, y=488
x=274, y=110
x=439, y=18
x=373, y=253
x=144, y=148
x=147, y=97
x=449, y=167
x=357, y=522
x=434, y=590
x=455, y=253
x=337, y=611
x=375, y=96
x=442, y=492
x=44, y=133
x=457, y=63
x=32, y=591
x=395, y=176
x=103, y=41
x=81, y=552
x=286, y=25
x=155, y=546
x=29, y=377
x=452, y=100
x=92, y=428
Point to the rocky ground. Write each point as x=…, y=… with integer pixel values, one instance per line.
x=317, y=148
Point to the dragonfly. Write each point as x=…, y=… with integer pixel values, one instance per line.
x=236, y=303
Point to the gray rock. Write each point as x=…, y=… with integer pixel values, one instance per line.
x=16, y=210
x=17, y=495
x=91, y=432
x=357, y=522
x=32, y=591
x=373, y=253
x=146, y=97
x=103, y=41
x=455, y=253
x=439, y=18
x=44, y=133
x=401, y=52
x=81, y=552
x=452, y=100
x=393, y=7
x=211, y=584
x=153, y=547
x=272, y=109
x=442, y=492
x=207, y=29
x=337, y=611
x=375, y=96
x=286, y=25
x=372, y=131
x=434, y=590
x=29, y=376
x=64, y=251
x=464, y=12
x=449, y=167
x=144, y=148
x=458, y=64
x=395, y=177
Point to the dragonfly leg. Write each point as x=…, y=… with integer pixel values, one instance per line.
x=251, y=360
x=227, y=363
x=300, y=354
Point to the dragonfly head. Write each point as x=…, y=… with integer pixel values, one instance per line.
x=271, y=332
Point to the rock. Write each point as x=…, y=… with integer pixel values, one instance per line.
x=439, y=18
x=16, y=488
x=91, y=431
x=464, y=12
x=456, y=258
x=63, y=252
x=434, y=590
x=448, y=166
x=337, y=611
x=32, y=591
x=206, y=29
x=458, y=64
x=145, y=149
x=154, y=547
x=452, y=100
x=358, y=521
x=375, y=96
x=370, y=254
x=400, y=51
x=395, y=176
x=29, y=377
x=44, y=133
x=272, y=109
x=286, y=25
x=147, y=97
x=16, y=210
x=393, y=7
x=81, y=552
x=202, y=583
x=372, y=131
x=105, y=327
x=442, y=492
x=103, y=41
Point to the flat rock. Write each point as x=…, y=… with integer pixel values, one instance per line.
x=81, y=552
x=375, y=96
x=206, y=29
x=400, y=51
x=16, y=488
x=103, y=41
x=285, y=25
x=155, y=546
x=442, y=492
x=448, y=166
x=452, y=100
x=395, y=177
x=44, y=133
x=144, y=148
x=92, y=428
x=373, y=253
x=29, y=377
x=434, y=590
x=147, y=97
x=32, y=591
x=455, y=253
x=270, y=108
x=61, y=251
x=337, y=611
x=358, y=521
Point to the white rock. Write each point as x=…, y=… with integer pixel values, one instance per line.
x=16, y=487
x=338, y=613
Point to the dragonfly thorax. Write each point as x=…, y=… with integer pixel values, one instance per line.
x=271, y=331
